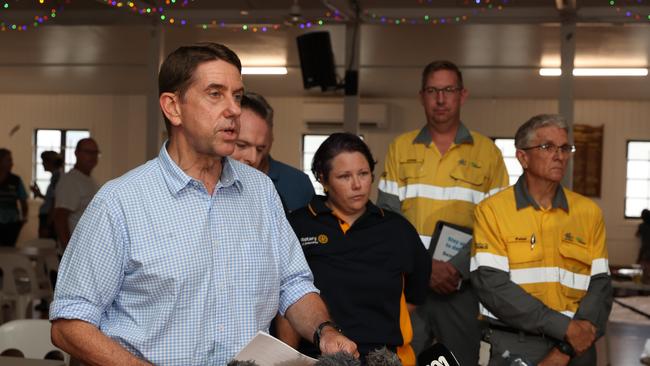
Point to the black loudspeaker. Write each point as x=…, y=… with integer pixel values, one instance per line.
x=317, y=60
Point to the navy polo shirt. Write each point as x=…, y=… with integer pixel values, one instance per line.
x=360, y=273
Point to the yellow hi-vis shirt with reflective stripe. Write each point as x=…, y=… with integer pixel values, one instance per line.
x=550, y=253
x=432, y=187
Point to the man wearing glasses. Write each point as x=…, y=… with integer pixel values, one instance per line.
x=439, y=173
x=539, y=259
x=75, y=190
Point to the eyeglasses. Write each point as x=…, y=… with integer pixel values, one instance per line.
x=552, y=148
x=447, y=91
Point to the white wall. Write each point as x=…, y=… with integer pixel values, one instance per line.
x=118, y=124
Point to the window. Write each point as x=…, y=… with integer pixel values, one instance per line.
x=310, y=144
x=508, y=150
x=637, y=189
x=61, y=141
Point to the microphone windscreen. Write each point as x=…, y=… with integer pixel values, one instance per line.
x=437, y=355
x=337, y=359
x=242, y=363
x=383, y=357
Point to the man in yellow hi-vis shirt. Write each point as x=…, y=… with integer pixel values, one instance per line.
x=439, y=173
x=539, y=259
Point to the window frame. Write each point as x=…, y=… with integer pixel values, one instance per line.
x=627, y=159
x=494, y=138
x=62, y=148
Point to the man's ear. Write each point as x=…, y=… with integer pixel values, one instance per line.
x=523, y=158
x=170, y=106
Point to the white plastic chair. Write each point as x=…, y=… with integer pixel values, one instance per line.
x=32, y=338
x=20, y=284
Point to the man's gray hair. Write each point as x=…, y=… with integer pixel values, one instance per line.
x=527, y=131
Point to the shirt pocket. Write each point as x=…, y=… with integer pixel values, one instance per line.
x=473, y=175
x=576, y=269
x=522, y=253
x=411, y=170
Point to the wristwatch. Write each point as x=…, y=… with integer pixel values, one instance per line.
x=565, y=348
x=319, y=330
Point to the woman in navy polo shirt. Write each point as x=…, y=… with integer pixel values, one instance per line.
x=368, y=263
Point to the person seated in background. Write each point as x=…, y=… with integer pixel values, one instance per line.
x=53, y=163
x=12, y=194
x=539, y=259
x=75, y=190
x=367, y=262
x=253, y=147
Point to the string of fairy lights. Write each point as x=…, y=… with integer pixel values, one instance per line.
x=47, y=11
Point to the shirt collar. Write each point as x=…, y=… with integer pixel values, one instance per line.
x=176, y=178
x=317, y=207
x=523, y=199
x=463, y=136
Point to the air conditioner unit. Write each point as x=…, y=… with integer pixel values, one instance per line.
x=330, y=115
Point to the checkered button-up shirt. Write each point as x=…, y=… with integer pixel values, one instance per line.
x=178, y=276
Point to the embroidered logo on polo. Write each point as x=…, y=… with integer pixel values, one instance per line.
x=308, y=240
x=314, y=240
x=473, y=164
x=570, y=238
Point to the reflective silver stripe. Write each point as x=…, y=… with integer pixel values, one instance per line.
x=570, y=314
x=494, y=191
x=426, y=240
x=389, y=187
x=486, y=312
x=441, y=193
x=550, y=274
x=599, y=265
x=489, y=260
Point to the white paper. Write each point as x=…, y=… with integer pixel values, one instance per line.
x=450, y=242
x=267, y=350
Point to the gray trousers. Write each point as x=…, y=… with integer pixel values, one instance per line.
x=533, y=348
x=451, y=320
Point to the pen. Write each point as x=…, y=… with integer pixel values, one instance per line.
x=532, y=241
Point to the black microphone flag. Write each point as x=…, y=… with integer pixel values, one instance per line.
x=437, y=355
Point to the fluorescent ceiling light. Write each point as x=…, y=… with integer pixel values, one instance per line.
x=589, y=71
x=265, y=70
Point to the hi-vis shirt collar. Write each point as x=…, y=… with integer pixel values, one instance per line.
x=523, y=198
x=317, y=207
x=462, y=136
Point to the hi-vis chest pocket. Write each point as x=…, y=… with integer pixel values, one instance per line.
x=469, y=172
x=523, y=249
x=410, y=169
x=576, y=255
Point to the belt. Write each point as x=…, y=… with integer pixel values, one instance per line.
x=508, y=329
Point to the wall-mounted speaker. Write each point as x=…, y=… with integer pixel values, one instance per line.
x=317, y=60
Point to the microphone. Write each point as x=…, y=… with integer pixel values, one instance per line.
x=337, y=359
x=383, y=357
x=242, y=363
x=437, y=355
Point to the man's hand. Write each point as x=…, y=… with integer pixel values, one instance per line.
x=581, y=334
x=331, y=341
x=555, y=358
x=444, y=277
